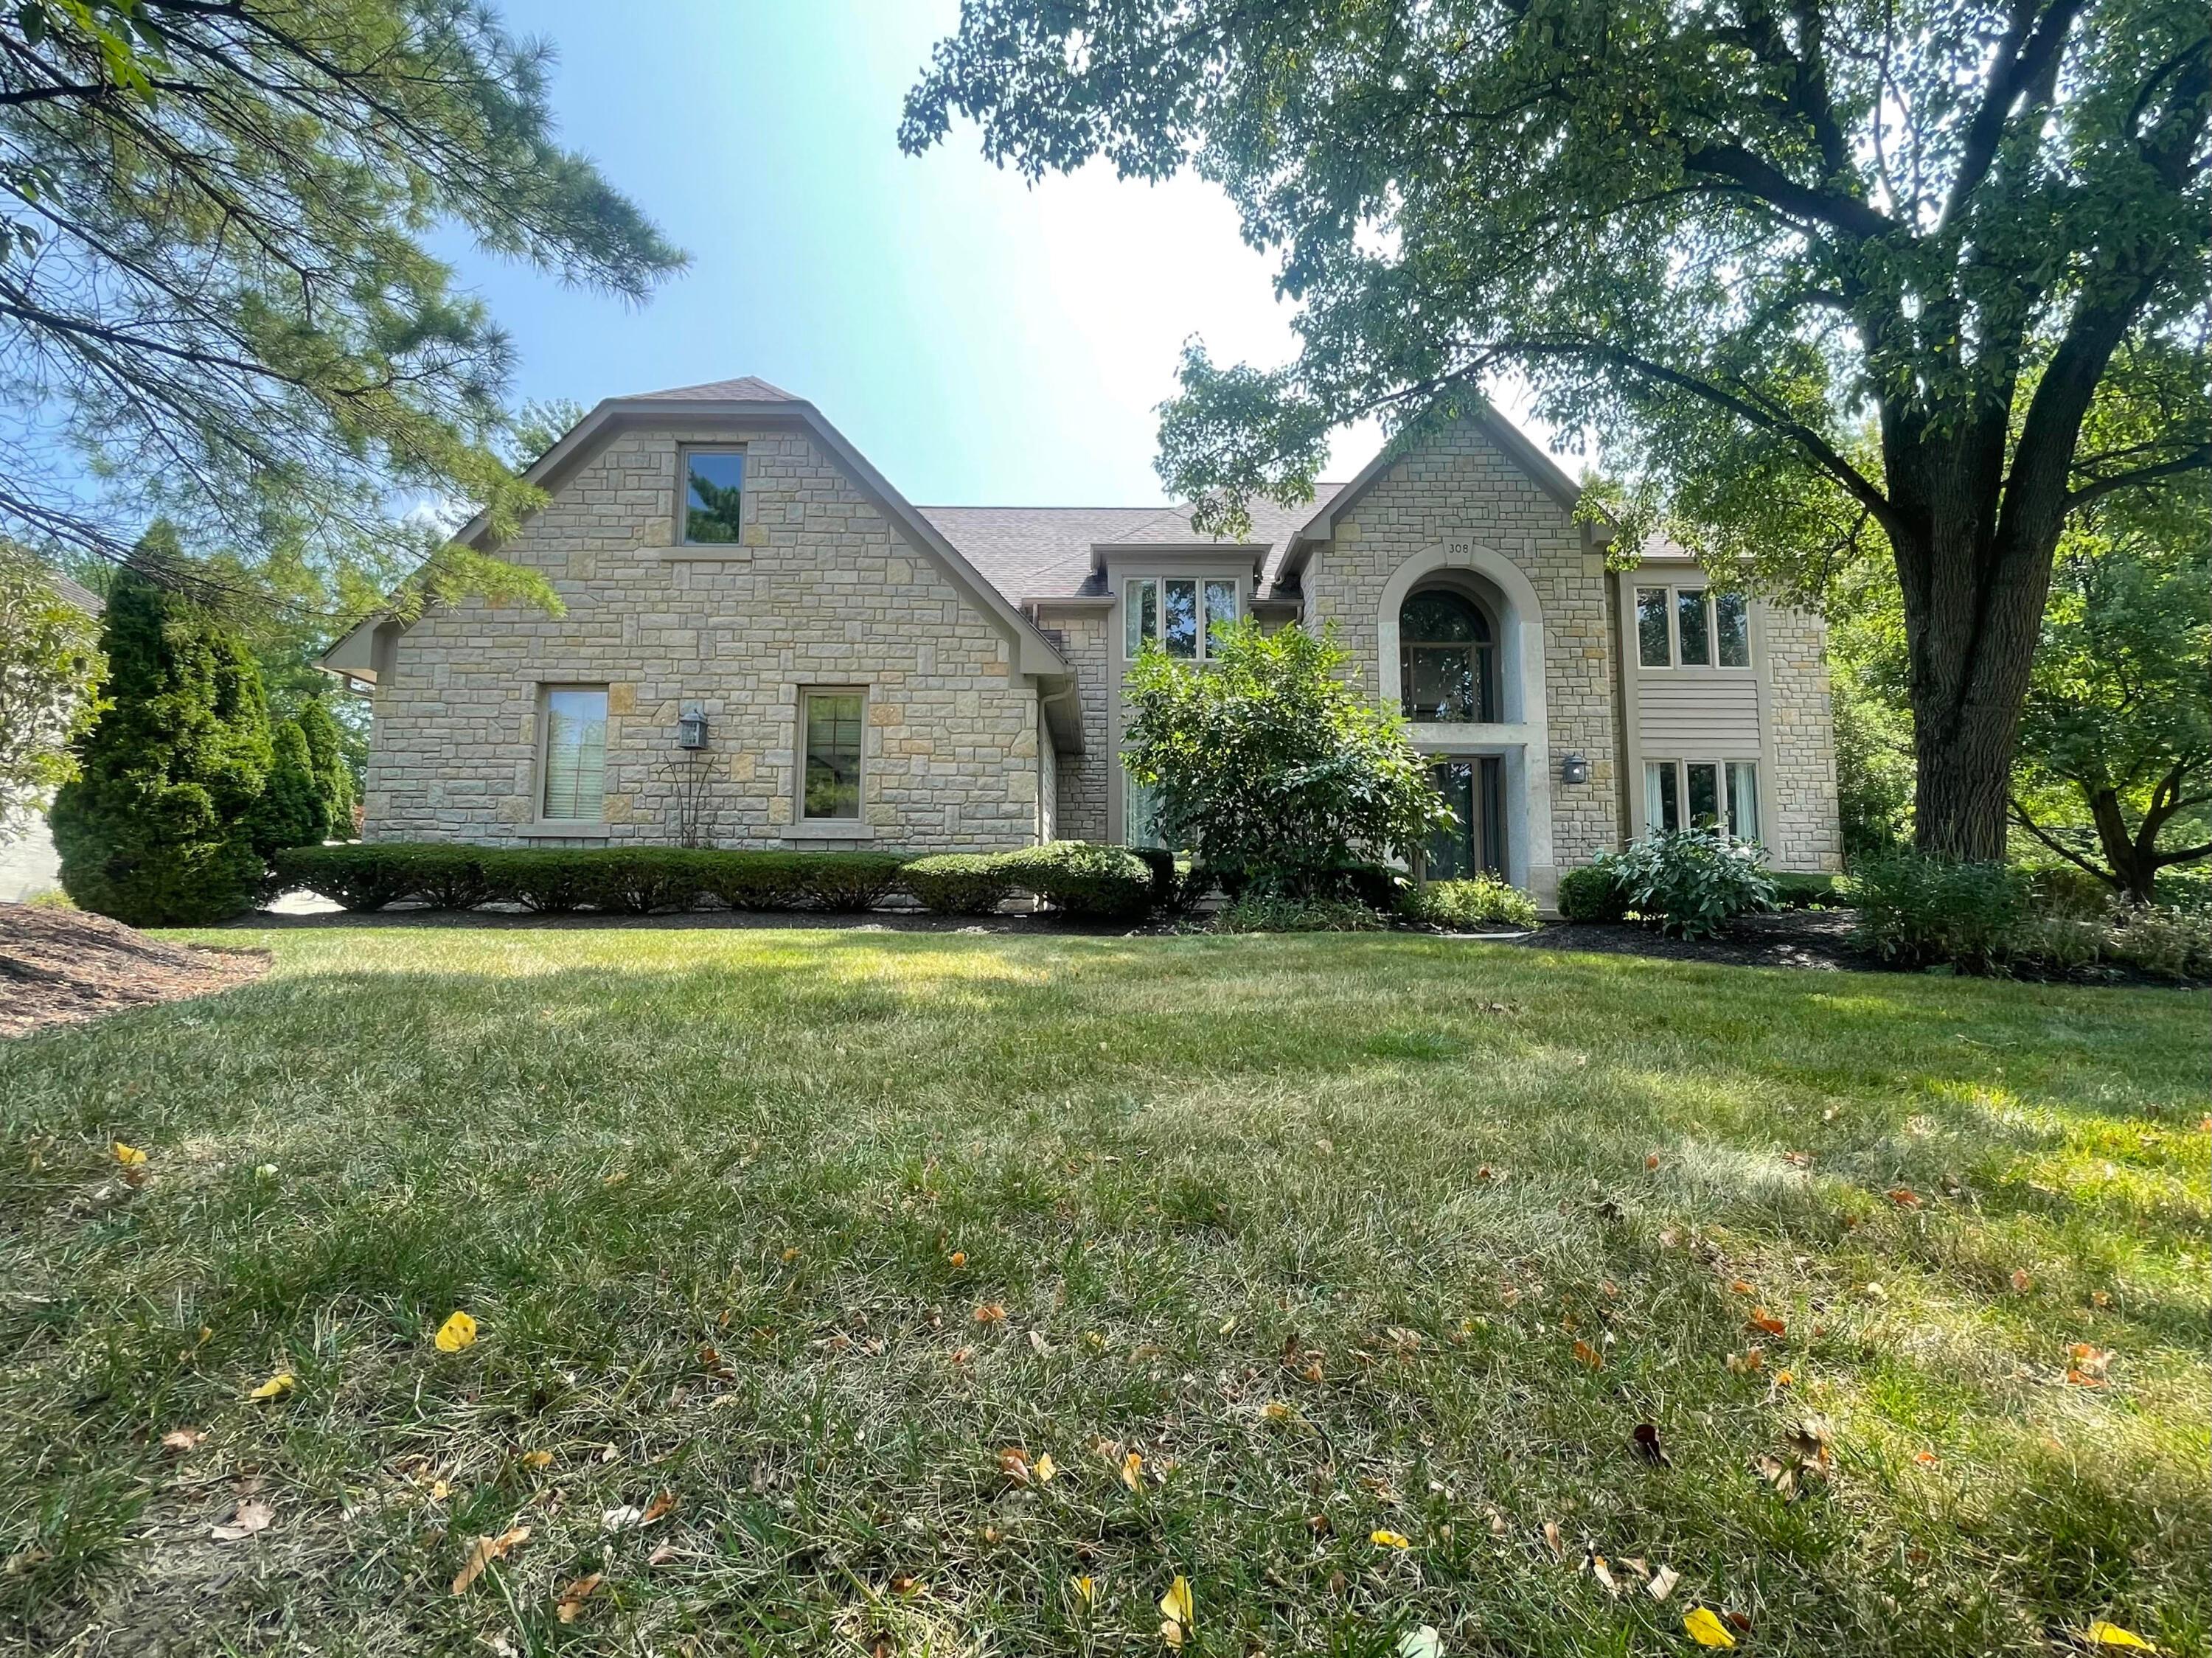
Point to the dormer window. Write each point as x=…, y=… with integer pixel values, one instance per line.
x=1177, y=613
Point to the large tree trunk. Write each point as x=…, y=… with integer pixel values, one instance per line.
x=1974, y=587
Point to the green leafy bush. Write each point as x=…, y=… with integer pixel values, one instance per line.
x=1592, y=893
x=1691, y=881
x=1100, y=882
x=2169, y=942
x=1918, y=911
x=1799, y=890
x=156, y=829
x=1484, y=901
x=638, y=880
x=1258, y=911
x=959, y=883
x=1265, y=763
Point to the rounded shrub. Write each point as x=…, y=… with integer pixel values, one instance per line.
x=959, y=883
x=1592, y=893
x=1689, y=882
x=1082, y=879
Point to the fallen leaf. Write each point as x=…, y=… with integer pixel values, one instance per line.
x=1132, y=1475
x=1276, y=1410
x=1045, y=1468
x=1739, y=1286
x=661, y=1555
x=2113, y=1637
x=1663, y=1582
x=1745, y=1363
x=484, y=1551
x=1646, y=1440
x=1589, y=1355
x=1389, y=1540
x=956, y=1260
x=1798, y=1159
x=1603, y=1572
x=1038, y=1343
x=1904, y=1197
x=1926, y=1458
x=182, y=1439
x=2086, y=1365
x=572, y=1597
x=1176, y=1608
x=457, y=1332
x=537, y=1459
x=662, y=1505
x=439, y=1491
x=990, y=1313
x=129, y=1156
x=1014, y=1463
x=906, y=1586
x=625, y=1516
x=1554, y=1541
x=1422, y=1643
x=791, y=1254
x=1706, y=1630
x=1763, y=1319
x=248, y=1518
x=277, y=1386
x=1652, y=1160
x=2023, y=1281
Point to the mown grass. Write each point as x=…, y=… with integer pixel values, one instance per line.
x=1426, y=1165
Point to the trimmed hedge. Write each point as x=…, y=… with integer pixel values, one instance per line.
x=1106, y=882
x=1592, y=893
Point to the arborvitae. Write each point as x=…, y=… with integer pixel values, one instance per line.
x=325, y=747
x=291, y=812
x=157, y=829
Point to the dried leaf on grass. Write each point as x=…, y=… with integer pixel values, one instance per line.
x=1707, y=1630
x=574, y=1596
x=484, y=1551
x=182, y=1439
x=1178, y=1613
x=1422, y=1643
x=277, y=1386
x=1663, y=1582
x=2086, y=1365
x=248, y=1517
x=1646, y=1440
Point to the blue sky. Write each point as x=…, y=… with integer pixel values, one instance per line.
x=980, y=341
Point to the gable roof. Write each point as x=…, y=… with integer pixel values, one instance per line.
x=746, y=388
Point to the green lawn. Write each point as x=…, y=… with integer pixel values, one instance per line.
x=725, y=1204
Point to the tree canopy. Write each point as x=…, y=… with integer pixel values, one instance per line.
x=216, y=296
x=1815, y=274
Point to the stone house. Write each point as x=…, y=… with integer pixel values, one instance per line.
x=766, y=645
x=28, y=864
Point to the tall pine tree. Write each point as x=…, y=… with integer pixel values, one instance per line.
x=157, y=829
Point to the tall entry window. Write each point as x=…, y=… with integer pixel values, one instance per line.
x=834, y=720
x=1475, y=841
x=575, y=753
x=1447, y=660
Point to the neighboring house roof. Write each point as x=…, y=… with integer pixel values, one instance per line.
x=76, y=593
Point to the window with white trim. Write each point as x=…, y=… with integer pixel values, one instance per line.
x=1177, y=613
x=1692, y=628
x=575, y=781
x=1702, y=794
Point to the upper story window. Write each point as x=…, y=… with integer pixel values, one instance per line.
x=1447, y=660
x=1692, y=628
x=714, y=497
x=1178, y=613
x=576, y=754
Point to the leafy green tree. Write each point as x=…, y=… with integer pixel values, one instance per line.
x=157, y=829
x=2118, y=722
x=215, y=289
x=333, y=772
x=291, y=812
x=1816, y=275
x=1264, y=764
x=49, y=672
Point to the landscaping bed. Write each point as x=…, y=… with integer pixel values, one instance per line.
x=58, y=966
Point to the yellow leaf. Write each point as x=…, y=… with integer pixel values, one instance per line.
x=1176, y=1607
x=128, y=1156
x=275, y=1388
x=538, y=1459
x=1086, y=1590
x=1706, y=1630
x=1276, y=1410
x=2102, y=1634
x=456, y=1332
x=1132, y=1475
x=572, y=1597
x=1045, y=1468
x=1389, y=1540
x=483, y=1552
x=439, y=1491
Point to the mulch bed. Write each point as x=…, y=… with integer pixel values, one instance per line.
x=1793, y=938
x=61, y=966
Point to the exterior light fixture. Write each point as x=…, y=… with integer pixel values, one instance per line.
x=691, y=728
x=1573, y=768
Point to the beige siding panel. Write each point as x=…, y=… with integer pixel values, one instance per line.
x=1699, y=717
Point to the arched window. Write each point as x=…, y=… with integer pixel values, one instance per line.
x=1447, y=663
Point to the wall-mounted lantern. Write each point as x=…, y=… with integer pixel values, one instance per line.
x=691, y=728
x=1573, y=768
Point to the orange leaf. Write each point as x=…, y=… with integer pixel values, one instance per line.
x=990, y=1313
x=484, y=1551
x=1763, y=1319
x=1904, y=1197
x=1589, y=1355
x=572, y=1597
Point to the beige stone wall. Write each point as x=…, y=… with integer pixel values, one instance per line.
x=1460, y=484
x=824, y=593
x=1085, y=777
x=1802, y=739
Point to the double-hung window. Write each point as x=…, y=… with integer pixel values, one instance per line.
x=576, y=754
x=833, y=720
x=1692, y=628
x=1177, y=613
